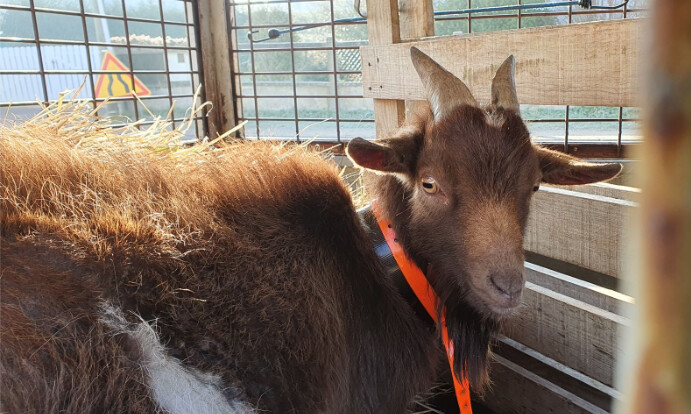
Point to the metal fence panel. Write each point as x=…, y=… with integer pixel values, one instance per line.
x=108, y=48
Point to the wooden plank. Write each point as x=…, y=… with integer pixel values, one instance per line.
x=580, y=64
x=590, y=293
x=517, y=390
x=217, y=80
x=657, y=364
x=582, y=229
x=383, y=29
x=417, y=21
x=572, y=332
x=388, y=116
x=558, y=373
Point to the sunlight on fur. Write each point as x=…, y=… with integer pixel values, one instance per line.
x=106, y=186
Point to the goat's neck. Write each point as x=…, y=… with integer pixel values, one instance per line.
x=393, y=198
x=470, y=330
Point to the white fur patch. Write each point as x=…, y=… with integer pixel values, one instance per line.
x=176, y=388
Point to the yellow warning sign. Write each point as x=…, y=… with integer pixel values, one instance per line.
x=119, y=82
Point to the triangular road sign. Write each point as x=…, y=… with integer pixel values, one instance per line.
x=117, y=84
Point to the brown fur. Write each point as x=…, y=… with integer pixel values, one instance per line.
x=251, y=259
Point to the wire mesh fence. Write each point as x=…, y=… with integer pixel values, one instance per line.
x=105, y=49
x=296, y=85
x=306, y=84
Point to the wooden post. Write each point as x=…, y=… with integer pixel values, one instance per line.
x=383, y=29
x=417, y=21
x=554, y=66
x=217, y=80
x=657, y=365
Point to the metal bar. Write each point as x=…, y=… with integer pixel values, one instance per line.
x=292, y=67
x=254, y=74
x=621, y=127
x=470, y=17
x=196, y=42
x=165, y=59
x=568, y=108
x=88, y=51
x=335, y=77
x=534, y=14
x=307, y=119
x=304, y=72
x=84, y=42
x=566, y=129
x=253, y=2
x=299, y=48
x=279, y=25
x=200, y=63
x=85, y=72
x=129, y=55
x=621, y=110
x=99, y=100
x=94, y=15
x=470, y=10
x=461, y=17
x=236, y=86
x=40, y=54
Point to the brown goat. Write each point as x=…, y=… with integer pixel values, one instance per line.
x=241, y=279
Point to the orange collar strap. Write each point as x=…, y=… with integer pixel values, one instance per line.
x=428, y=298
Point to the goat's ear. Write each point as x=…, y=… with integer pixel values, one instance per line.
x=382, y=157
x=561, y=169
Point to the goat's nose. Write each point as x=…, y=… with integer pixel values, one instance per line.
x=509, y=284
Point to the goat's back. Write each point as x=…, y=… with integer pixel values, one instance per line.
x=250, y=260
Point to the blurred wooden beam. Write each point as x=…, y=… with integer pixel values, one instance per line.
x=581, y=64
x=383, y=28
x=217, y=79
x=656, y=367
x=417, y=21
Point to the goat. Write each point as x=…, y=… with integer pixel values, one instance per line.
x=241, y=280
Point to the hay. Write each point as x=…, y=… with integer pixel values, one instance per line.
x=99, y=186
x=76, y=122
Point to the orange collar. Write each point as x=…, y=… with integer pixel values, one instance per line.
x=427, y=297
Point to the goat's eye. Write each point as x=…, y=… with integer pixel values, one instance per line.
x=537, y=187
x=429, y=185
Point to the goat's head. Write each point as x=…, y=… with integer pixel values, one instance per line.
x=457, y=184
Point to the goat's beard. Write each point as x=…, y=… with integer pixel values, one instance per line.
x=470, y=332
x=469, y=329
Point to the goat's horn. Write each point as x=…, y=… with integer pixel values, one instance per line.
x=504, y=86
x=444, y=91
